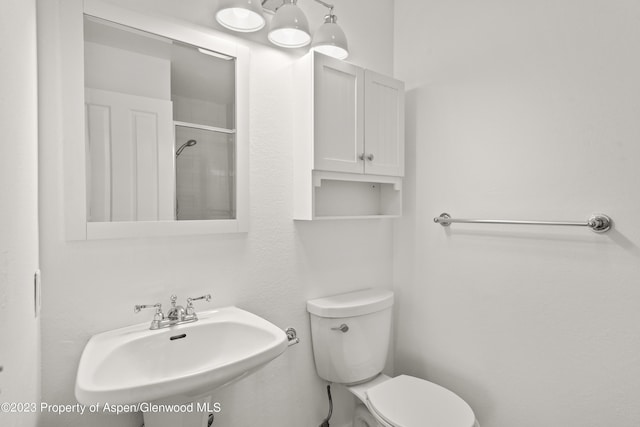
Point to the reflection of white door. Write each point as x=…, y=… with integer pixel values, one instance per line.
x=130, y=157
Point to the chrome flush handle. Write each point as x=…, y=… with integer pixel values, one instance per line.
x=342, y=328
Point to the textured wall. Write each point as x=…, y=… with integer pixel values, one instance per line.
x=272, y=270
x=19, y=329
x=523, y=110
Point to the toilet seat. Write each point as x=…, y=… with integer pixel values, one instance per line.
x=406, y=401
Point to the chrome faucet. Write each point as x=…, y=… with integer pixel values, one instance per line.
x=176, y=315
x=176, y=312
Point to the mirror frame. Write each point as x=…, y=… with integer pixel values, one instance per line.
x=73, y=122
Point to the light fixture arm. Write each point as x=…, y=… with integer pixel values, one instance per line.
x=330, y=18
x=330, y=6
x=327, y=5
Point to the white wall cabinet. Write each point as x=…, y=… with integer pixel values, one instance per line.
x=349, y=141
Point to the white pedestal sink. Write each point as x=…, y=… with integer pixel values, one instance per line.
x=176, y=367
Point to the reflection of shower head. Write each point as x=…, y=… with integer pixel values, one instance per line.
x=189, y=143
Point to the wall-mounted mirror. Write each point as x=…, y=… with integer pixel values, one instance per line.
x=160, y=121
x=165, y=127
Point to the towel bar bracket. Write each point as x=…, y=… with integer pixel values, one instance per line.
x=599, y=223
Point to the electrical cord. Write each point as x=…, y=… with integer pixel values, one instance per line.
x=325, y=423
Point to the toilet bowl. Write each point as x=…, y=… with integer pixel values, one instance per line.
x=363, y=418
x=409, y=401
x=350, y=337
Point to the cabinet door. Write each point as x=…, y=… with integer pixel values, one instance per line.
x=338, y=115
x=384, y=125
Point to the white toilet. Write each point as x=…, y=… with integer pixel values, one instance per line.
x=350, y=334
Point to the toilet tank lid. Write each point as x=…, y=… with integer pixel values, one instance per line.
x=351, y=304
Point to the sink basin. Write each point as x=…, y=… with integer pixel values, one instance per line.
x=135, y=364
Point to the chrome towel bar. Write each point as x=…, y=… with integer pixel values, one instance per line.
x=598, y=223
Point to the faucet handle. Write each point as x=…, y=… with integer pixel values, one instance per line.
x=157, y=316
x=190, y=301
x=173, y=300
x=206, y=297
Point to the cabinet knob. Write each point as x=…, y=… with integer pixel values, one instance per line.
x=370, y=157
x=361, y=156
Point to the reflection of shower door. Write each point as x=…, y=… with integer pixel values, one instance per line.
x=129, y=156
x=205, y=173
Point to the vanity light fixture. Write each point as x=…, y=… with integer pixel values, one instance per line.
x=244, y=16
x=330, y=39
x=289, y=27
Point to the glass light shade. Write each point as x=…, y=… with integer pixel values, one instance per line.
x=244, y=16
x=330, y=40
x=289, y=27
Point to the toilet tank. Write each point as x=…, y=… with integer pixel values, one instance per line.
x=357, y=351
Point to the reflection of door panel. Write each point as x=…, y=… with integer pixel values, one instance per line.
x=130, y=153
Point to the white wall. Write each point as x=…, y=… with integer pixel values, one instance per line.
x=272, y=270
x=124, y=71
x=19, y=328
x=523, y=110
